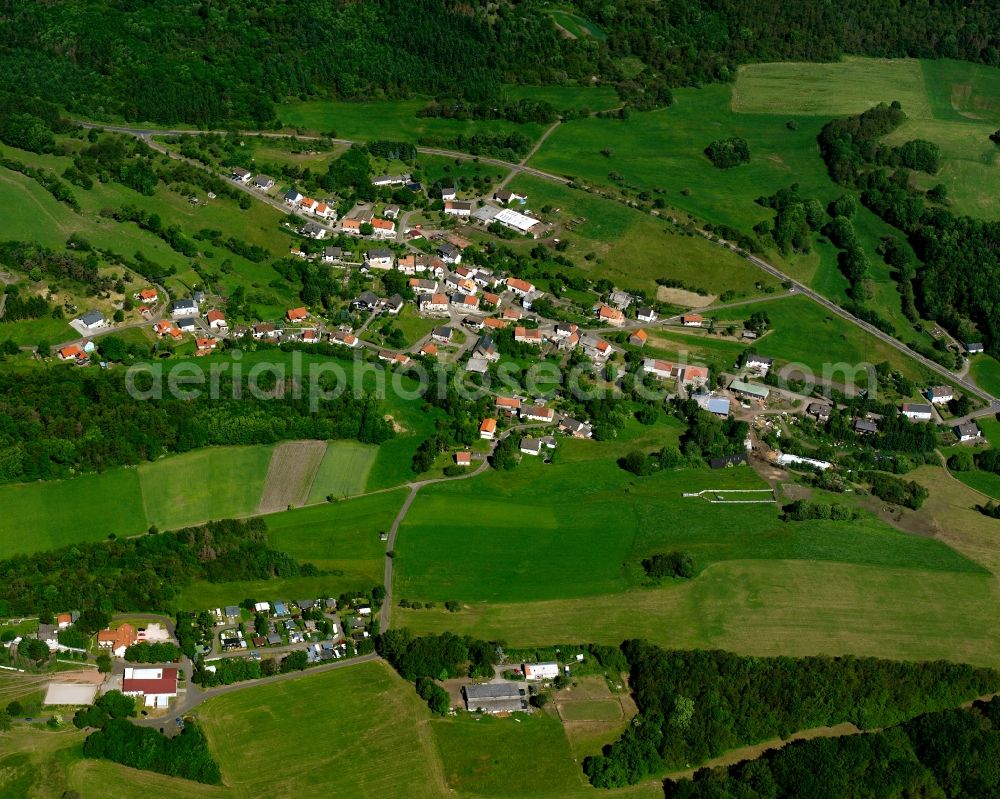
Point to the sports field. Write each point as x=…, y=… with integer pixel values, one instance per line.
x=343, y=471
x=554, y=532
x=206, y=484
x=362, y=723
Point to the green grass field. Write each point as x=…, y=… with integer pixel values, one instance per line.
x=985, y=371
x=361, y=727
x=339, y=537
x=560, y=531
x=206, y=484
x=985, y=482
x=45, y=515
x=344, y=470
x=594, y=98
x=634, y=249
x=524, y=755
x=575, y=25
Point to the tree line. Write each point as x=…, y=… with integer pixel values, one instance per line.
x=142, y=574
x=695, y=705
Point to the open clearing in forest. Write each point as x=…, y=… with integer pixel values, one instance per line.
x=290, y=475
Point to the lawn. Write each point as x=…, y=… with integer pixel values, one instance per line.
x=201, y=595
x=633, y=248
x=341, y=538
x=343, y=471
x=985, y=371
x=361, y=727
x=560, y=531
x=985, y=482
x=522, y=755
x=206, y=484
x=45, y=515
x=37, y=331
x=594, y=98
x=961, y=91
x=395, y=119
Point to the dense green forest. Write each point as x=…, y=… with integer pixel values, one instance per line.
x=61, y=421
x=208, y=62
x=695, y=705
x=140, y=574
x=952, y=753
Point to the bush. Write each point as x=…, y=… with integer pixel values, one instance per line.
x=727, y=153
x=670, y=564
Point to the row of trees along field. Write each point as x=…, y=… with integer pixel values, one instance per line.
x=951, y=753
x=139, y=574
x=955, y=283
x=696, y=705
x=205, y=64
x=62, y=421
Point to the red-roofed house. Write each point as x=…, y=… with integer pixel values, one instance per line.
x=157, y=686
x=64, y=620
x=610, y=316
x=495, y=324
x=692, y=320
x=117, y=640
x=148, y=295
x=296, y=314
x=524, y=335
x=509, y=404
x=658, y=368
x=383, y=229
x=429, y=349
x=70, y=353
x=638, y=338
x=216, y=321
x=488, y=429
x=519, y=286
x=463, y=458
x=695, y=375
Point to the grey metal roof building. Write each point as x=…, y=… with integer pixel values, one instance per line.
x=493, y=698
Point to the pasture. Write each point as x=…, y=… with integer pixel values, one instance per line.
x=50, y=514
x=561, y=531
x=520, y=755
x=205, y=484
x=985, y=371
x=575, y=25
x=364, y=724
x=339, y=537
x=633, y=248
x=594, y=98
x=290, y=475
x=343, y=471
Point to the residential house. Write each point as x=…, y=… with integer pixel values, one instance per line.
x=864, y=427
x=92, y=320
x=365, y=301
x=395, y=358
x=940, y=395
x=917, y=411
x=292, y=197
x=491, y=298
x=263, y=182
x=383, y=229
x=758, y=364
x=645, y=315
x=537, y=413
x=308, y=205
x=313, y=230
x=519, y=287
x=157, y=686
x=458, y=208
x=463, y=458
x=333, y=255
x=692, y=320
x=449, y=253
x=442, y=334
x=507, y=196
x=638, y=338
x=390, y=180
x=179, y=308
x=239, y=174
x=508, y=405
x=465, y=301
x=411, y=264
x=610, y=316
x=694, y=375
x=118, y=640
x=461, y=284
x=429, y=349
x=393, y=305
x=344, y=339
x=434, y=304
x=187, y=325
x=969, y=431
x=391, y=212
x=205, y=345
x=324, y=211
x=380, y=258
x=216, y=320
x=527, y=335
x=71, y=353
x=488, y=429
x=350, y=227
x=620, y=299
x=750, y=390
x=540, y=671
x=265, y=330
x=448, y=193
x=562, y=330
x=473, y=323
x=149, y=295
x=819, y=411
x=485, y=348
x=534, y=446
x=423, y=286
x=575, y=428
x=494, y=324
x=596, y=349
x=658, y=368
x=974, y=347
